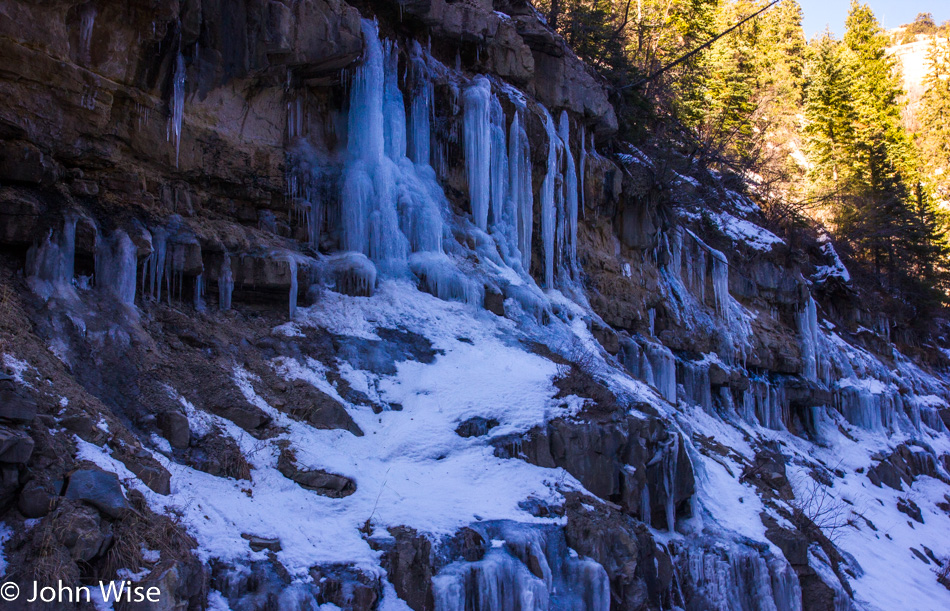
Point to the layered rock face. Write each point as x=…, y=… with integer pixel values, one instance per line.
x=314, y=303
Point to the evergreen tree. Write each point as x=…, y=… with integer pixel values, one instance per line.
x=865, y=163
x=934, y=135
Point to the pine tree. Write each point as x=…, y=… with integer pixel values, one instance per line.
x=934, y=136
x=865, y=162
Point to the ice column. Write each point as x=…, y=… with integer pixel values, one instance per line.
x=548, y=210
x=225, y=284
x=478, y=145
x=808, y=330
x=116, y=266
x=519, y=169
x=570, y=194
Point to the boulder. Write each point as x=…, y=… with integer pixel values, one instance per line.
x=259, y=544
x=318, y=480
x=15, y=406
x=80, y=529
x=36, y=499
x=99, y=489
x=16, y=447
x=910, y=509
x=475, y=426
x=175, y=428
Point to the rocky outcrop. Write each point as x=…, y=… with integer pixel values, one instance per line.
x=628, y=460
x=902, y=466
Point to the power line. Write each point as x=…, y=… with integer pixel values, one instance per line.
x=700, y=47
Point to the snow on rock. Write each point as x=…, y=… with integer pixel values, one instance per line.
x=745, y=232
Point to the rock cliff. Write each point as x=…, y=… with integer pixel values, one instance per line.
x=307, y=302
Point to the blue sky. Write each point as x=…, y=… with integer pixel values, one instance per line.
x=891, y=13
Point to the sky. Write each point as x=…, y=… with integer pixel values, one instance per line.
x=891, y=13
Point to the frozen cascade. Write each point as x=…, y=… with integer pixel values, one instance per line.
x=116, y=266
x=502, y=215
x=522, y=201
x=548, y=210
x=503, y=581
x=808, y=330
x=582, y=166
x=734, y=577
x=696, y=385
x=177, y=105
x=478, y=148
x=720, y=278
x=391, y=206
x=50, y=264
x=764, y=404
x=570, y=194
x=225, y=284
x=420, y=109
x=866, y=409
x=652, y=363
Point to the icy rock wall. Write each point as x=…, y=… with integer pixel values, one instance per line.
x=526, y=568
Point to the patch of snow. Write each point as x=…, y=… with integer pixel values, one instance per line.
x=746, y=232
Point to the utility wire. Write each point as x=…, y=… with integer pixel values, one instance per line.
x=700, y=47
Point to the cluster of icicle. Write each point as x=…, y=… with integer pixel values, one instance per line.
x=528, y=568
x=50, y=265
x=499, y=181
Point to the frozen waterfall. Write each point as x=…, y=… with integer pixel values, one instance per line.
x=391, y=206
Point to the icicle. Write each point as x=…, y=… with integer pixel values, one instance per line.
x=808, y=332
x=548, y=210
x=394, y=110
x=50, y=265
x=420, y=108
x=177, y=103
x=720, y=276
x=87, y=21
x=503, y=581
x=155, y=265
x=570, y=194
x=696, y=384
x=519, y=167
x=225, y=284
x=663, y=364
x=502, y=217
x=669, y=480
x=199, y=296
x=116, y=266
x=478, y=147
x=582, y=169
x=292, y=297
